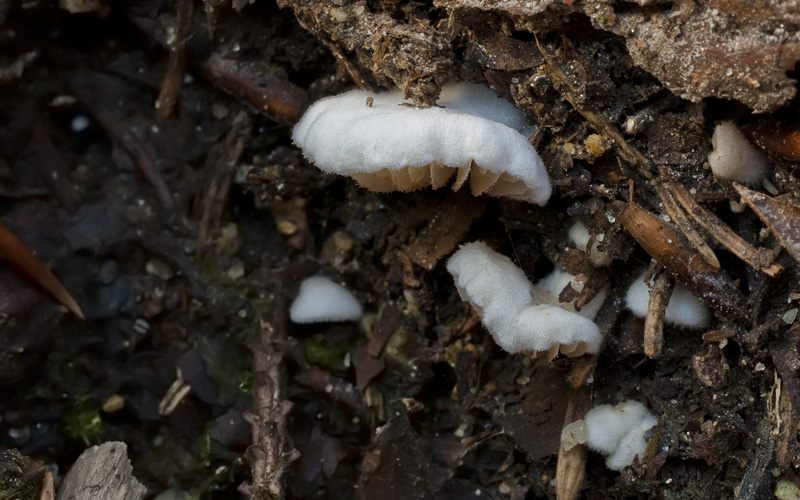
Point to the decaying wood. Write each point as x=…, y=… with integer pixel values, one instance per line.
x=599, y=122
x=413, y=56
x=758, y=258
x=782, y=218
x=102, y=472
x=24, y=259
x=756, y=482
x=173, y=78
x=271, y=452
x=442, y=233
x=654, y=320
x=571, y=464
x=679, y=218
x=714, y=287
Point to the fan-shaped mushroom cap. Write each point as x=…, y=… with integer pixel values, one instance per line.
x=505, y=299
x=387, y=146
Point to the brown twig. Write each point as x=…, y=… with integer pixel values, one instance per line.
x=679, y=218
x=271, y=451
x=176, y=45
x=21, y=256
x=654, y=320
x=220, y=164
x=571, y=464
x=268, y=94
x=758, y=258
x=54, y=169
x=668, y=248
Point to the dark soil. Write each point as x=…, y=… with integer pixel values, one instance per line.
x=184, y=236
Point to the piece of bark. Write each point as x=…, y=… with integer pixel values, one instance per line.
x=444, y=231
x=782, y=218
x=102, y=472
x=679, y=218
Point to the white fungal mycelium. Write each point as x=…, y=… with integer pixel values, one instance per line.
x=580, y=236
x=321, y=301
x=734, y=157
x=386, y=145
x=617, y=431
x=520, y=318
x=684, y=309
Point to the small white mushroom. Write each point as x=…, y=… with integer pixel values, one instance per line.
x=734, y=157
x=508, y=305
x=580, y=236
x=684, y=309
x=321, y=301
x=387, y=146
x=617, y=431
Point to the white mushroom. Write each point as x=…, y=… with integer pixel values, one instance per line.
x=387, y=146
x=321, y=301
x=617, y=431
x=734, y=157
x=684, y=309
x=508, y=305
x=580, y=236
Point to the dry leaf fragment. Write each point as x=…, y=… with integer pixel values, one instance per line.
x=782, y=218
x=22, y=258
x=712, y=286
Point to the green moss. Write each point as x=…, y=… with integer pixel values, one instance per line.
x=82, y=421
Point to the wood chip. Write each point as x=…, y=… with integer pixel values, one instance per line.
x=679, y=218
x=656, y=307
x=102, y=473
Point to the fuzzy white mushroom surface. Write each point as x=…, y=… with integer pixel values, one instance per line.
x=386, y=146
x=320, y=300
x=734, y=157
x=506, y=302
x=580, y=236
x=616, y=431
x=684, y=308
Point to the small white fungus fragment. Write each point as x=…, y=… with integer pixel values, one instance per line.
x=580, y=236
x=506, y=301
x=387, y=146
x=321, y=300
x=684, y=309
x=734, y=157
x=617, y=431
x=549, y=288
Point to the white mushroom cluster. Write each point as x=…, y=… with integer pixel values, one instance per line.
x=520, y=317
x=683, y=310
x=616, y=431
x=388, y=146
